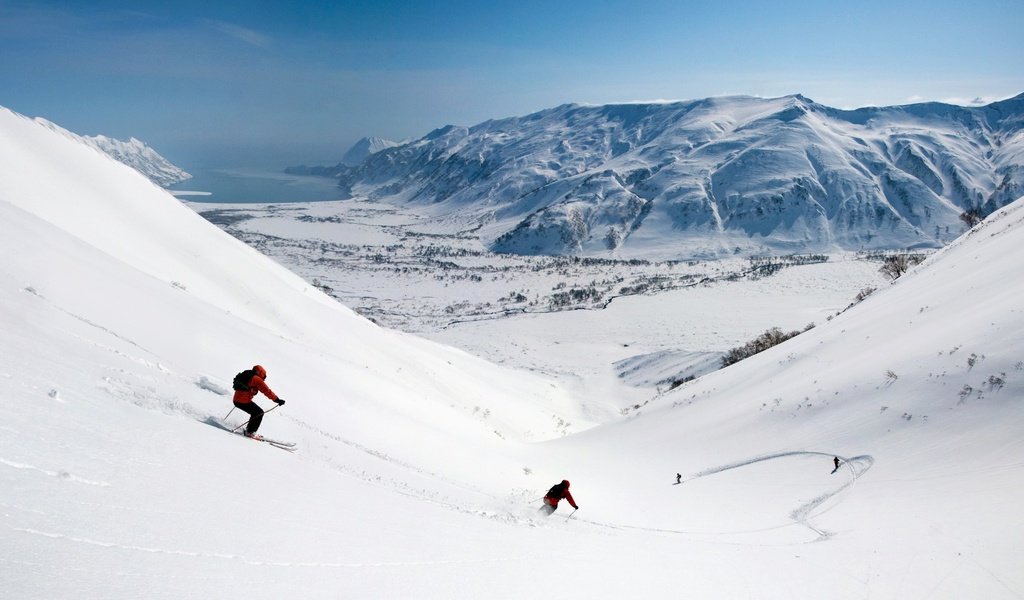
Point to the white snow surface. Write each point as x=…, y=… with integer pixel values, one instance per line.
x=419, y=467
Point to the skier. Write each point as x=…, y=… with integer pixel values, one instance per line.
x=246, y=387
x=835, y=460
x=679, y=478
x=556, y=493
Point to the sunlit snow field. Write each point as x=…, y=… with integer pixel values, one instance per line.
x=420, y=465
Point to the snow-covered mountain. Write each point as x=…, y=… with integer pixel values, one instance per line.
x=419, y=467
x=711, y=177
x=365, y=147
x=134, y=153
x=355, y=156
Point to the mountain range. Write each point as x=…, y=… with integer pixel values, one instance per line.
x=132, y=152
x=709, y=178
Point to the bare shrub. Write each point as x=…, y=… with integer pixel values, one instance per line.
x=678, y=382
x=895, y=265
x=768, y=339
x=972, y=217
x=863, y=294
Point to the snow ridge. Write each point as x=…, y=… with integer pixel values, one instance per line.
x=132, y=152
x=365, y=147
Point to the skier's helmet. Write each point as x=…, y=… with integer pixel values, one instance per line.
x=565, y=483
x=260, y=371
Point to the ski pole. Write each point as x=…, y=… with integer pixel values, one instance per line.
x=229, y=414
x=247, y=422
x=571, y=514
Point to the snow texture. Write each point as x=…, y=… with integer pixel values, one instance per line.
x=419, y=467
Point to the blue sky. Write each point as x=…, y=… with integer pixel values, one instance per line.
x=267, y=83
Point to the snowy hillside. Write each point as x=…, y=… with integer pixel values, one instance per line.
x=419, y=467
x=710, y=178
x=134, y=153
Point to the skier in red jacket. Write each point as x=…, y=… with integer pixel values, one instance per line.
x=243, y=399
x=556, y=493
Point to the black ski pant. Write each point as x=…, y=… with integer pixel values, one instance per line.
x=255, y=415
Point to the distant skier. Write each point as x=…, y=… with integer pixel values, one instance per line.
x=556, y=493
x=679, y=478
x=246, y=385
x=835, y=461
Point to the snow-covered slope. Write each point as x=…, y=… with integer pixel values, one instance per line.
x=712, y=177
x=97, y=241
x=921, y=383
x=415, y=475
x=134, y=153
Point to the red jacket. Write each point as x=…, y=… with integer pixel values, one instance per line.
x=553, y=500
x=256, y=385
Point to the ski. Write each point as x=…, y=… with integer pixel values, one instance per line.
x=279, y=442
x=275, y=443
x=290, y=446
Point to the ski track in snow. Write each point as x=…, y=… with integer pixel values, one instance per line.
x=857, y=466
x=148, y=398
x=379, y=455
x=258, y=563
x=58, y=474
x=392, y=483
x=800, y=515
x=34, y=292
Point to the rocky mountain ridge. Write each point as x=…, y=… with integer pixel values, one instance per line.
x=132, y=152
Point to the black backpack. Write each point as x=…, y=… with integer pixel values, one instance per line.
x=241, y=381
x=556, y=491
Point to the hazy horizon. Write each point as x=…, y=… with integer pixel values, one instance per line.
x=279, y=83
